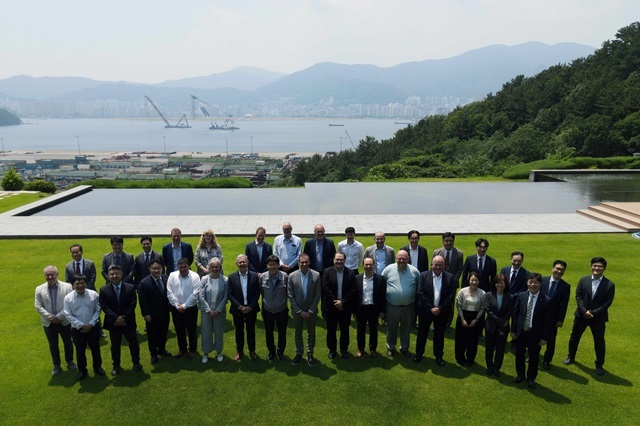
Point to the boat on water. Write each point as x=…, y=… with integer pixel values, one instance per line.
x=336, y=125
x=224, y=126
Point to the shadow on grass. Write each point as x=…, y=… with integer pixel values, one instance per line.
x=607, y=377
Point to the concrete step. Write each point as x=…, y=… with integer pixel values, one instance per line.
x=620, y=224
x=622, y=215
x=628, y=208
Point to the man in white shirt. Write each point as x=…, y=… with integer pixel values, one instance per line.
x=352, y=249
x=288, y=248
x=183, y=287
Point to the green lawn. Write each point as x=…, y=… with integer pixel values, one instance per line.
x=366, y=391
x=18, y=200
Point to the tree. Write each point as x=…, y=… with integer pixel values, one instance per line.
x=11, y=181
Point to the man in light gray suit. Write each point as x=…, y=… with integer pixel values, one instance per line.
x=80, y=266
x=382, y=254
x=49, y=303
x=304, y=293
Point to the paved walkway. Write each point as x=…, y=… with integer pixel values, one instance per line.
x=15, y=224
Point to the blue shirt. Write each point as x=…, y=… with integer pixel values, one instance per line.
x=401, y=286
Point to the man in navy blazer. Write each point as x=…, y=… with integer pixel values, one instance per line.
x=371, y=303
x=184, y=250
x=338, y=293
x=155, y=309
x=81, y=266
x=530, y=331
x=118, y=257
x=453, y=264
x=516, y=274
x=258, y=251
x=418, y=255
x=244, y=309
x=118, y=302
x=320, y=250
x=558, y=292
x=594, y=295
x=435, y=290
x=481, y=263
x=144, y=258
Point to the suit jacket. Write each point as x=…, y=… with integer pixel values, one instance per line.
x=153, y=301
x=296, y=296
x=167, y=255
x=423, y=257
x=489, y=271
x=330, y=290
x=456, y=262
x=498, y=318
x=379, y=292
x=141, y=268
x=205, y=299
x=520, y=283
x=88, y=270
x=559, y=302
x=542, y=323
x=390, y=254
x=597, y=304
x=235, y=292
x=328, y=252
x=114, y=307
x=425, y=294
x=251, y=251
x=128, y=266
x=44, y=305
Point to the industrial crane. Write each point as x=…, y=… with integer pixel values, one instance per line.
x=199, y=103
x=178, y=125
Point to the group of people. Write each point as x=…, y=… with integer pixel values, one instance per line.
x=396, y=289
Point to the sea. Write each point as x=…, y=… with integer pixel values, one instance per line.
x=262, y=136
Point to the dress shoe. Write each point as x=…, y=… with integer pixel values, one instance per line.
x=82, y=375
x=469, y=363
x=531, y=384
x=296, y=359
x=440, y=361
x=219, y=357
x=154, y=360
x=271, y=356
x=253, y=355
x=568, y=361
x=344, y=354
x=405, y=353
x=165, y=352
x=115, y=371
x=414, y=325
x=359, y=354
x=237, y=356
x=480, y=338
x=180, y=354
x=374, y=354
x=332, y=355
x=599, y=371
x=311, y=360
x=191, y=355
x=137, y=367
x=101, y=372
x=489, y=371
x=205, y=358
x=390, y=352
x=56, y=370
x=546, y=365
x=71, y=366
x=417, y=358
x=281, y=356
x=448, y=329
x=460, y=361
x=518, y=379
x=496, y=373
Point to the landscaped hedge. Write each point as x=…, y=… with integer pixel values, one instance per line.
x=233, y=182
x=522, y=171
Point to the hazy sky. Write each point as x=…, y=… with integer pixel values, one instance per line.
x=152, y=41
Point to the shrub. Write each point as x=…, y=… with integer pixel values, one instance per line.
x=11, y=181
x=40, y=186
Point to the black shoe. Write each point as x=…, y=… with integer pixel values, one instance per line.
x=440, y=361
x=448, y=329
x=518, y=379
x=390, y=352
x=599, y=371
x=137, y=367
x=332, y=355
x=414, y=325
x=165, y=352
x=531, y=384
x=489, y=371
x=496, y=373
x=344, y=354
x=115, y=371
x=296, y=359
x=154, y=360
x=311, y=361
x=101, y=372
x=82, y=375
x=568, y=361
x=280, y=356
x=546, y=365
x=417, y=358
x=271, y=356
x=469, y=363
x=405, y=353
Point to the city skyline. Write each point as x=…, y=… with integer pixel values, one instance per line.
x=154, y=41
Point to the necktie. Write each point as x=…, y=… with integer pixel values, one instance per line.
x=513, y=277
x=480, y=265
x=146, y=259
x=527, y=318
x=117, y=260
x=552, y=289
x=446, y=260
x=160, y=286
x=78, y=268
x=117, y=288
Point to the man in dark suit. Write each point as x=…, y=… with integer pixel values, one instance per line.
x=338, y=293
x=118, y=302
x=530, y=327
x=320, y=250
x=119, y=258
x=244, y=294
x=453, y=264
x=515, y=274
x=594, y=295
x=144, y=258
x=435, y=291
x=176, y=250
x=481, y=263
x=371, y=303
x=258, y=251
x=155, y=309
x=418, y=255
x=80, y=266
x=558, y=292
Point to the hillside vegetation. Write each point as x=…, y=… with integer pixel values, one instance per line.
x=8, y=119
x=589, y=108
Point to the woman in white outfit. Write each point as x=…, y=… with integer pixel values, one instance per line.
x=212, y=301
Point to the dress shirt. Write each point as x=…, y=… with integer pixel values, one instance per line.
x=353, y=253
x=413, y=254
x=401, y=286
x=381, y=259
x=594, y=285
x=78, y=267
x=367, y=290
x=259, y=248
x=319, y=253
x=183, y=290
x=531, y=302
x=177, y=255
x=244, y=284
x=288, y=251
x=339, y=278
x=437, y=289
x=304, y=278
x=481, y=261
x=82, y=309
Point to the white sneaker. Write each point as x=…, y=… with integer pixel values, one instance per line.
x=219, y=358
x=205, y=359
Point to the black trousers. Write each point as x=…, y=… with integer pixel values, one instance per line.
x=115, y=334
x=157, y=331
x=186, y=324
x=81, y=341
x=527, y=342
x=494, y=347
x=368, y=315
x=551, y=345
x=467, y=338
x=64, y=332
x=597, y=331
x=439, y=325
x=335, y=319
x=271, y=321
x=240, y=321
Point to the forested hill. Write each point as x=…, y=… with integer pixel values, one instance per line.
x=8, y=119
x=590, y=107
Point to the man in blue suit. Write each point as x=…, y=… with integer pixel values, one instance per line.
x=258, y=251
x=176, y=250
x=516, y=275
x=558, y=292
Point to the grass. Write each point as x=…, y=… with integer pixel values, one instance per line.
x=14, y=201
x=367, y=391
